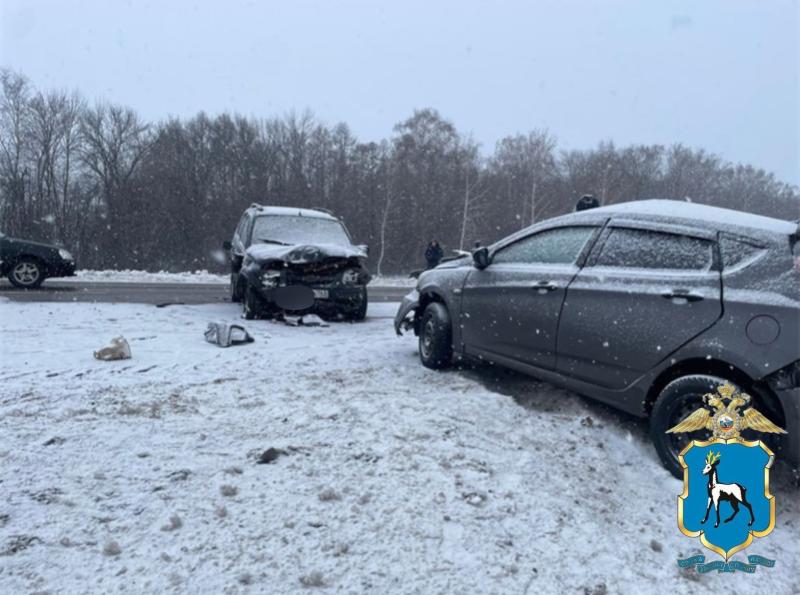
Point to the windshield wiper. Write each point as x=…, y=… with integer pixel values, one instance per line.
x=268, y=241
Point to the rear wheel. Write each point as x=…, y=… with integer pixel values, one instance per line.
x=677, y=400
x=27, y=273
x=436, y=337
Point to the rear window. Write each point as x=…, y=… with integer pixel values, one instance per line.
x=645, y=249
x=737, y=252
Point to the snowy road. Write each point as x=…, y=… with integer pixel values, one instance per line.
x=141, y=476
x=154, y=293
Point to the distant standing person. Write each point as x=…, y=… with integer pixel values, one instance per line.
x=587, y=201
x=433, y=254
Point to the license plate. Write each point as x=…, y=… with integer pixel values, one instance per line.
x=321, y=294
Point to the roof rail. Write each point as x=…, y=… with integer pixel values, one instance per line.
x=255, y=205
x=328, y=211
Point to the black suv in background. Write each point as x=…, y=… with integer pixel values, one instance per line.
x=644, y=305
x=27, y=264
x=291, y=260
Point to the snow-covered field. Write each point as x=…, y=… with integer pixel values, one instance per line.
x=135, y=276
x=141, y=476
x=204, y=277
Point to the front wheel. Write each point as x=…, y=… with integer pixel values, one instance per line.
x=236, y=288
x=436, y=337
x=27, y=273
x=253, y=304
x=359, y=312
x=676, y=401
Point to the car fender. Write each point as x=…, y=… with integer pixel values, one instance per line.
x=444, y=285
x=727, y=343
x=409, y=305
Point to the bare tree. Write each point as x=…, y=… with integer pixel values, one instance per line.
x=116, y=140
x=14, y=133
x=122, y=192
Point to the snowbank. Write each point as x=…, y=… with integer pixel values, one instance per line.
x=134, y=276
x=386, y=477
x=393, y=281
x=202, y=277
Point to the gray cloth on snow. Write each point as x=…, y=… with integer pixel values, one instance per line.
x=225, y=334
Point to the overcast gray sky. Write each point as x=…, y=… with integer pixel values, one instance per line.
x=716, y=74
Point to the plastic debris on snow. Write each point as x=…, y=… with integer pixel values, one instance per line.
x=305, y=320
x=224, y=334
x=118, y=349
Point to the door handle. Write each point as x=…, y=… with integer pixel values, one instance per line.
x=682, y=296
x=544, y=286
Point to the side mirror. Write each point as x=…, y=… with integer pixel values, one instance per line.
x=364, y=248
x=480, y=258
x=226, y=245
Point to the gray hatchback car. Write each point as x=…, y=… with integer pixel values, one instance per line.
x=645, y=305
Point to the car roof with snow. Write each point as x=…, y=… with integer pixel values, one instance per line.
x=289, y=212
x=692, y=213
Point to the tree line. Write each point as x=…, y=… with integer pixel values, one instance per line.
x=120, y=192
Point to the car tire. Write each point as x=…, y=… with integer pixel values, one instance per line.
x=236, y=289
x=436, y=337
x=676, y=400
x=359, y=313
x=252, y=304
x=27, y=273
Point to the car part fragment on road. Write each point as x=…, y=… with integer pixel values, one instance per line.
x=118, y=349
x=224, y=334
x=305, y=320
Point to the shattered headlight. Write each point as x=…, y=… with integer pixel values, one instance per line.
x=270, y=278
x=351, y=277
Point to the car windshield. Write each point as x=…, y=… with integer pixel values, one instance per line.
x=291, y=229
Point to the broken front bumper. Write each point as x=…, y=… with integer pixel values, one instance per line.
x=300, y=297
x=404, y=319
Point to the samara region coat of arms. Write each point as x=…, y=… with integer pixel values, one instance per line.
x=726, y=499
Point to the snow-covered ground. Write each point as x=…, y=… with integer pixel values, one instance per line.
x=204, y=277
x=140, y=476
x=134, y=276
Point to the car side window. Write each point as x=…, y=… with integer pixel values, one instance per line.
x=240, y=227
x=737, y=253
x=243, y=230
x=646, y=249
x=553, y=246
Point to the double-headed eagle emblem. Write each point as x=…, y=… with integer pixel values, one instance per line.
x=724, y=420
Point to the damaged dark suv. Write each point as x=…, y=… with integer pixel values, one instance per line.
x=297, y=261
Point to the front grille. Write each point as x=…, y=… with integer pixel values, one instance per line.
x=318, y=274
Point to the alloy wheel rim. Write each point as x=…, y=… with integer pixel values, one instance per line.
x=677, y=442
x=427, y=338
x=26, y=273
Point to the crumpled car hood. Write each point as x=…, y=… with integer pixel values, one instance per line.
x=302, y=253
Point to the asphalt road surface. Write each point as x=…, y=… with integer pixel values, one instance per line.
x=148, y=293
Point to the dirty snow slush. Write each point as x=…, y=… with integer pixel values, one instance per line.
x=319, y=458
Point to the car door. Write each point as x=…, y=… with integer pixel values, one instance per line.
x=239, y=243
x=644, y=292
x=510, y=309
